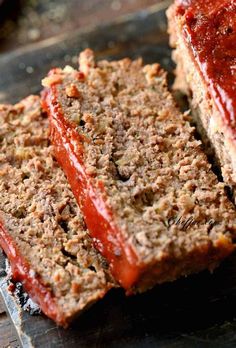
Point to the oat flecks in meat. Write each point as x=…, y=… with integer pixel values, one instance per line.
x=153, y=170
x=39, y=212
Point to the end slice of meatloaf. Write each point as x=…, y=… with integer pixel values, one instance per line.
x=41, y=228
x=147, y=192
x=203, y=34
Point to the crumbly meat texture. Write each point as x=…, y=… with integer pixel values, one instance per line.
x=216, y=134
x=39, y=212
x=154, y=173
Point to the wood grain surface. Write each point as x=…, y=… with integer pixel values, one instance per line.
x=8, y=337
x=2, y=308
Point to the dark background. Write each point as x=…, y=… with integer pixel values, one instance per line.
x=27, y=21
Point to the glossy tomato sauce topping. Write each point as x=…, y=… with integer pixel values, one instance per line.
x=210, y=31
x=68, y=150
x=32, y=283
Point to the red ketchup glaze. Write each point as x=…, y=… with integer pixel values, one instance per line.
x=22, y=272
x=210, y=32
x=68, y=149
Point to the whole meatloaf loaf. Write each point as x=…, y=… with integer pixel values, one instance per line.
x=147, y=192
x=41, y=228
x=203, y=34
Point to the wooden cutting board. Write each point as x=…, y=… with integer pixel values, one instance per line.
x=199, y=311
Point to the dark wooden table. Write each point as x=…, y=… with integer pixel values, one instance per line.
x=7, y=334
x=34, y=21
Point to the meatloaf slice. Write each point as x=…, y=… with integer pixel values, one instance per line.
x=147, y=192
x=203, y=34
x=41, y=228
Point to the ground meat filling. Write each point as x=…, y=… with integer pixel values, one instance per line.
x=144, y=152
x=120, y=138
x=38, y=210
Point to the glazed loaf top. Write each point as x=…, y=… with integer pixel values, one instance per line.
x=41, y=227
x=209, y=28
